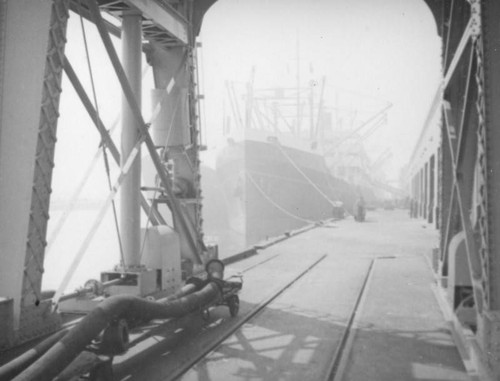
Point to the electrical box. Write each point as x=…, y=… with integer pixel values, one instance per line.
x=162, y=253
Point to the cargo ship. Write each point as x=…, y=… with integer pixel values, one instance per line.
x=272, y=172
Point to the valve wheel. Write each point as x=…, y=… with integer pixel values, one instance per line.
x=233, y=303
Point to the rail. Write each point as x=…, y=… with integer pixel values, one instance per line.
x=189, y=364
x=335, y=368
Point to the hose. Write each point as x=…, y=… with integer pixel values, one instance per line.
x=15, y=366
x=129, y=307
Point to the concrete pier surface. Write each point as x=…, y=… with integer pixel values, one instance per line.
x=367, y=311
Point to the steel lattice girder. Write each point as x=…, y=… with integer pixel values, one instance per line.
x=37, y=163
x=469, y=163
x=459, y=144
x=470, y=132
x=168, y=24
x=491, y=162
x=183, y=222
x=32, y=58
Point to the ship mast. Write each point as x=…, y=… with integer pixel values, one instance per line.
x=311, y=110
x=297, y=129
x=249, y=100
x=319, y=128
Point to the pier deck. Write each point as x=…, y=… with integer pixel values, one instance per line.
x=352, y=301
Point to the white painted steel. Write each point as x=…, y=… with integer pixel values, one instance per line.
x=21, y=97
x=130, y=191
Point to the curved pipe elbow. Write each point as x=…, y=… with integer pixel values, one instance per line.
x=129, y=307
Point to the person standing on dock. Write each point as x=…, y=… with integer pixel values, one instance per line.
x=360, y=209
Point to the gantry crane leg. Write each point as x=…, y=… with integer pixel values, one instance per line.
x=31, y=52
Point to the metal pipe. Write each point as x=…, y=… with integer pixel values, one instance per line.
x=61, y=354
x=186, y=290
x=130, y=190
x=88, y=290
x=17, y=365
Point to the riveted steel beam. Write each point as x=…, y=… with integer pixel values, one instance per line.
x=461, y=194
x=161, y=17
x=31, y=54
x=490, y=14
x=161, y=22
x=464, y=41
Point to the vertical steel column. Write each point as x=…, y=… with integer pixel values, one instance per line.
x=491, y=163
x=446, y=221
x=421, y=203
x=488, y=165
x=415, y=194
x=412, y=187
x=439, y=175
x=432, y=188
x=130, y=191
x=426, y=189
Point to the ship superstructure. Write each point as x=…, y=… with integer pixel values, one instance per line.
x=272, y=171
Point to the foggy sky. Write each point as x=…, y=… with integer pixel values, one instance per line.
x=371, y=51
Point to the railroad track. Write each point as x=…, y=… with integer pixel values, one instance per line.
x=337, y=365
x=178, y=372
x=335, y=368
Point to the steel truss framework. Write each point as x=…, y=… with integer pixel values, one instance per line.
x=468, y=161
x=164, y=26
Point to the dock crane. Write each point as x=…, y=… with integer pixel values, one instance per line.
x=32, y=41
x=158, y=280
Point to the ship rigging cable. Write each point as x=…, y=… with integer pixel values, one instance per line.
x=79, y=188
x=103, y=143
x=76, y=195
x=97, y=222
x=261, y=191
x=332, y=203
x=123, y=173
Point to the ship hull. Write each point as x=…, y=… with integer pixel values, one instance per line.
x=270, y=189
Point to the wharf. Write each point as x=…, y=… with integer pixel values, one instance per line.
x=367, y=310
